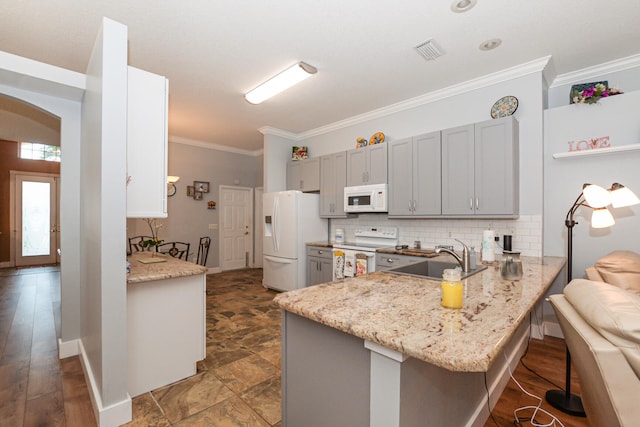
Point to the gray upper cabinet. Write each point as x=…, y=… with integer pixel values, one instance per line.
x=415, y=176
x=480, y=169
x=367, y=165
x=304, y=175
x=333, y=178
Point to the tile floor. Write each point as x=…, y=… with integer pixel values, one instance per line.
x=238, y=384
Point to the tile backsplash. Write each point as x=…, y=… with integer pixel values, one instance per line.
x=526, y=231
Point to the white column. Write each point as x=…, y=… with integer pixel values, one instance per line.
x=384, y=409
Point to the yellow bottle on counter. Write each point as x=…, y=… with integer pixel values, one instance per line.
x=452, y=289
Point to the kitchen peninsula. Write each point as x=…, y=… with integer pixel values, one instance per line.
x=378, y=350
x=165, y=320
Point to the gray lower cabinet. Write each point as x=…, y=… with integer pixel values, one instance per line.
x=387, y=261
x=304, y=175
x=367, y=165
x=480, y=169
x=319, y=265
x=415, y=176
x=333, y=179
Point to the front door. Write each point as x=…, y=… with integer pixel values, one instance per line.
x=236, y=231
x=36, y=219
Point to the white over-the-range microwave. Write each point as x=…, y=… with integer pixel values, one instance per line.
x=366, y=198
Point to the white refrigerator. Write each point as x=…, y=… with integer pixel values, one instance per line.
x=291, y=220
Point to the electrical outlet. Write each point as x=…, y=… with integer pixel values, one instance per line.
x=213, y=226
x=449, y=234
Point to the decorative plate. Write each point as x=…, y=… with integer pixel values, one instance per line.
x=377, y=138
x=361, y=142
x=504, y=107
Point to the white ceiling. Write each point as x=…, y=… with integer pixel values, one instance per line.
x=213, y=51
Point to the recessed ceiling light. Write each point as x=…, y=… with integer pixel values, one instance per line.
x=460, y=6
x=490, y=44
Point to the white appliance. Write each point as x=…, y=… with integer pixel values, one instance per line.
x=347, y=256
x=291, y=220
x=366, y=198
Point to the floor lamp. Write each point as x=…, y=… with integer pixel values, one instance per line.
x=596, y=198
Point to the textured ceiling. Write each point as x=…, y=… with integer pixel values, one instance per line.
x=212, y=51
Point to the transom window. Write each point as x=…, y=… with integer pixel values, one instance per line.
x=38, y=151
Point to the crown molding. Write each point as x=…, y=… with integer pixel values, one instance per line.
x=213, y=146
x=521, y=70
x=268, y=130
x=597, y=70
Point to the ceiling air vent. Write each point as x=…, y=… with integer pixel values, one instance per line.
x=428, y=50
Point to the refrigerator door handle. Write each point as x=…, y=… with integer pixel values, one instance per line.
x=276, y=235
x=278, y=260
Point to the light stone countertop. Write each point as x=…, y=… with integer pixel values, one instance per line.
x=322, y=244
x=403, y=313
x=172, y=267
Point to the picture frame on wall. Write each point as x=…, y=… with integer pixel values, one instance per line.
x=201, y=186
x=198, y=195
x=191, y=190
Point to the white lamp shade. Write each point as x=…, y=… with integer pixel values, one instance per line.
x=621, y=196
x=596, y=196
x=173, y=179
x=602, y=218
x=281, y=82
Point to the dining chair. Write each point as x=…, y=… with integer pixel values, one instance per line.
x=175, y=249
x=203, y=250
x=135, y=243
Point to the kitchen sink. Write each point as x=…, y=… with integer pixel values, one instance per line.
x=431, y=269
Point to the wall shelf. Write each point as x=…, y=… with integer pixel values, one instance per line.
x=631, y=147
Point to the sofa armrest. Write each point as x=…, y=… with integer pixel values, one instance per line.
x=592, y=274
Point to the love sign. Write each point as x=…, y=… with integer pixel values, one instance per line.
x=590, y=144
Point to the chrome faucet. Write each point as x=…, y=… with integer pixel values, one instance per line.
x=463, y=260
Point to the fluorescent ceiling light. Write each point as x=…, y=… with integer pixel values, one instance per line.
x=281, y=82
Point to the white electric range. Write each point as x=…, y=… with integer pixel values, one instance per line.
x=359, y=257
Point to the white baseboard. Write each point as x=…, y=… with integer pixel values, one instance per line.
x=110, y=416
x=214, y=270
x=553, y=330
x=68, y=348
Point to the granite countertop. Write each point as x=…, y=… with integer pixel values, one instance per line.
x=403, y=313
x=170, y=268
x=323, y=244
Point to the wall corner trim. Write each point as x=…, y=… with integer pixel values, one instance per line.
x=68, y=348
x=620, y=64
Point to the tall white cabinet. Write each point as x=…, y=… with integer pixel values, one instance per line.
x=147, y=145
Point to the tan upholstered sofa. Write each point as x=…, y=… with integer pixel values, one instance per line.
x=619, y=268
x=601, y=325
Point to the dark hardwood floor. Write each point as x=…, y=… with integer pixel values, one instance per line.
x=37, y=389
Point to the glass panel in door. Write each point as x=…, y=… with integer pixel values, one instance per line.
x=35, y=220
